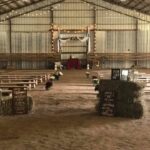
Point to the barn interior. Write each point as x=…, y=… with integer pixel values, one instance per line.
x=60, y=60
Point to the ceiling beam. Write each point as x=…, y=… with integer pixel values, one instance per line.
x=139, y=3
x=144, y=7
x=31, y=8
x=29, y=4
x=109, y=7
x=127, y=4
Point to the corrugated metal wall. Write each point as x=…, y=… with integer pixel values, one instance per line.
x=31, y=42
x=116, y=33
x=4, y=38
x=144, y=42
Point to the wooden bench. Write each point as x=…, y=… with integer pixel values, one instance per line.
x=38, y=78
x=11, y=87
x=27, y=84
x=10, y=80
x=44, y=76
x=35, y=72
x=101, y=74
x=19, y=79
x=6, y=92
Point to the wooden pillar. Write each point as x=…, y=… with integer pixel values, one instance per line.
x=94, y=31
x=10, y=42
x=52, y=28
x=136, y=42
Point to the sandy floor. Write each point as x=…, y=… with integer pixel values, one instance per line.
x=64, y=118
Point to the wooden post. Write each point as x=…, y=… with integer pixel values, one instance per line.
x=52, y=28
x=10, y=43
x=136, y=42
x=94, y=40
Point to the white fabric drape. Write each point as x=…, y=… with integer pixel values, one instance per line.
x=64, y=40
x=89, y=44
x=83, y=39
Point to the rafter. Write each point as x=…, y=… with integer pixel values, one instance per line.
x=139, y=3
x=33, y=2
x=99, y=4
x=37, y=6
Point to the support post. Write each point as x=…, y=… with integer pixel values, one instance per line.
x=52, y=28
x=10, y=42
x=136, y=42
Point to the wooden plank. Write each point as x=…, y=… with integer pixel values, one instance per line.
x=28, y=84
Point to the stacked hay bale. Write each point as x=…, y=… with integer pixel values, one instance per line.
x=127, y=100
x=6, y=105
x=29, y=103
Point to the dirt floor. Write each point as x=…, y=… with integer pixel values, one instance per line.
x=64, y=118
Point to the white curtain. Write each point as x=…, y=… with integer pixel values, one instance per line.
x=83, y=39
x=64, y=40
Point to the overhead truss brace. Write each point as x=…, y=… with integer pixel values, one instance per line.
x=120, y=10
x=28, y=9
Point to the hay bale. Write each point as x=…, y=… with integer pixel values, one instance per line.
x=97, y=107
x=127, y=100
x=6, y=107
x=134, y=110
x=138, y=110
x=29, y=103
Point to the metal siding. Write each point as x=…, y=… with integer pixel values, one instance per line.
x=144, y=42
x=116, y=41
x=111, y=20
x=30, y=33
x=32, y=42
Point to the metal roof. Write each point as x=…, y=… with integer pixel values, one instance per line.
x=142, y=6
x=13, y=8
x=9, y=5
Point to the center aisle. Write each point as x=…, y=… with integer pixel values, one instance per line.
x=73, y=93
